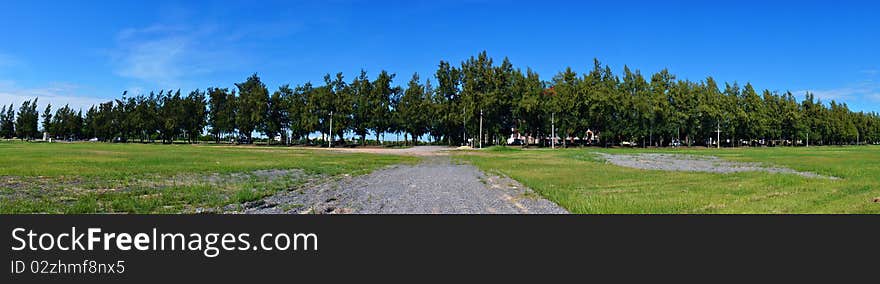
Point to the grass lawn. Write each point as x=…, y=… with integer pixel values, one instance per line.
x=580, y=181
x=149, y=178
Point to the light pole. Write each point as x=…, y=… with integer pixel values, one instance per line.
x=553, y=130
x=330, y=141
x=481, y=128
x=464, y=128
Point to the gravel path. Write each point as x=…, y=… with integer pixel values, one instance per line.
x=435, y=186
x=693, y=163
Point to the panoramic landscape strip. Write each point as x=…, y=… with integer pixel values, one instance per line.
x=244, y=141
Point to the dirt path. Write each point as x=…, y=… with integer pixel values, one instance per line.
x=435, y=186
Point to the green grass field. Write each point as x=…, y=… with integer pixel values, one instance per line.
x=141, y=178
x=146, y=178
x=583, y=183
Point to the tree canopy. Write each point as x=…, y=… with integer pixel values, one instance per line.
x=632, y=108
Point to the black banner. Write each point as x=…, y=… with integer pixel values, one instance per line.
x=431, y=247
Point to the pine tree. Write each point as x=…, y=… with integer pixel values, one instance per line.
x=27, y=120
x=277, y=117
x=47, y=119
x=382, y=93
x=251, y=106
x=221, y=112
x=363, y=105
x=7, y=122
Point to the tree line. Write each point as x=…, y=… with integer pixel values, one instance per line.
x=476, y=101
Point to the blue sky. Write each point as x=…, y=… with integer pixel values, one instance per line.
x=84, y=52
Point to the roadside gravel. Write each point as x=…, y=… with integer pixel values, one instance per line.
x=435, y=186
x=694, y=163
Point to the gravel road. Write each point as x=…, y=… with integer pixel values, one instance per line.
x=693, y=163
x=435, y=186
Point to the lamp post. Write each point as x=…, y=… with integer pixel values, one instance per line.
x=464, y=128
x=481, y=128
x=330, y=141
x=553, y=130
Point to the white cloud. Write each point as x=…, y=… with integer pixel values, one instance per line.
x=866, y=89
x=7, y=61
x=833, y=94
x=131, y=33
x=165, y=56
x=57, y=94
x=156, y=61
